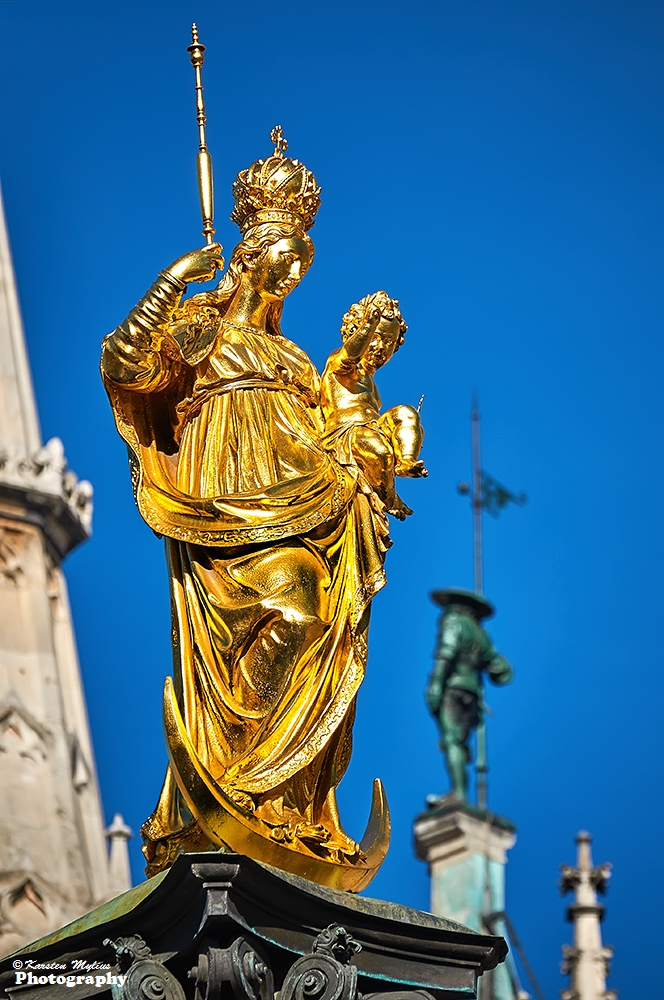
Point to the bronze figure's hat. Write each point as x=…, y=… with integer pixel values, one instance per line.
x=277, y=190
x=477, y=603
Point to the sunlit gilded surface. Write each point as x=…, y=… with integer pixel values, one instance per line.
x=275, y=545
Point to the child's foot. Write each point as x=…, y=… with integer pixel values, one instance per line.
x=399, y=509
x=411, y=470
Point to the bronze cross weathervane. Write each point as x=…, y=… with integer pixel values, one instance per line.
x=486, y=494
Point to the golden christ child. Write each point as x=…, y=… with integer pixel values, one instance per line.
x=381, y=445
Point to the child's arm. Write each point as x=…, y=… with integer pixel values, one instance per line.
x=356, y=346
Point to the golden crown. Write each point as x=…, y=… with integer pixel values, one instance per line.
x=275, y=190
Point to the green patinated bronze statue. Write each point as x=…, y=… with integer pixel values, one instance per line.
x=454, y=693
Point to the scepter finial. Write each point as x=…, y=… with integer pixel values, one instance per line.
x=196, y=50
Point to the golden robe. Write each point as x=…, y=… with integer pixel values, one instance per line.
x=274, y=552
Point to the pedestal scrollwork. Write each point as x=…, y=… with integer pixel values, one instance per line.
x=328, y=973
x=235, y=973
x=145, y=977
x=240, y=972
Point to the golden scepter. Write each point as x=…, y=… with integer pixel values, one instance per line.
x=203, y=160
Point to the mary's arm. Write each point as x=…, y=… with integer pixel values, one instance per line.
x=139, y=354
x=135, y=355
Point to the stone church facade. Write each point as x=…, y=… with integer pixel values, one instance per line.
x=54, y=862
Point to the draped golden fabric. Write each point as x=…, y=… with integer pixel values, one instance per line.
x=274, y=552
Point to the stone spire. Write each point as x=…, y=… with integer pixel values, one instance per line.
x=53, y=858
x=587, y=961
x=19, y=423
x=119, y=872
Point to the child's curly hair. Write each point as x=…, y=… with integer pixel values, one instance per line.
x=357, y=314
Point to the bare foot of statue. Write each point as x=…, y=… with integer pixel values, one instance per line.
x=399, y=509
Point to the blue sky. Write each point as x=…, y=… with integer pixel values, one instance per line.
x=498, y=167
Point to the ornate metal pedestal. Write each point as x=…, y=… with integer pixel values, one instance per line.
x=223, y=927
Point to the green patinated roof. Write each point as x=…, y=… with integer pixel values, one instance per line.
x=128, y=901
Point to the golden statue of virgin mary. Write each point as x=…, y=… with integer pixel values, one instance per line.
x=274, y=549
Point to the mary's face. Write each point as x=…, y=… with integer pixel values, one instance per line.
x=280, y=267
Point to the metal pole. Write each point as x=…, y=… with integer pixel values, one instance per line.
x=477, y=495
x=491, y=921
x=481, y=765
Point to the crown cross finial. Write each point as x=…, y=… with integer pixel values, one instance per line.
x=276, y=189
x=280, y=143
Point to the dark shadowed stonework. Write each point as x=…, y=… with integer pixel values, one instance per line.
x=223, y=927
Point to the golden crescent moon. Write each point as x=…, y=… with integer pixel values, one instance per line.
x=227, y=825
